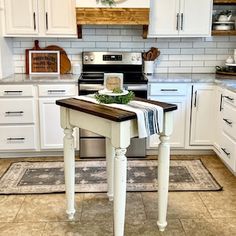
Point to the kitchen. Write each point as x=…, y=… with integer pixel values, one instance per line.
x=184, y=74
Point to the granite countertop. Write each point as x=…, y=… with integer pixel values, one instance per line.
x=228, y=82
x=39, y=79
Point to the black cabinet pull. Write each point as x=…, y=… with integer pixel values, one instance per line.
x=169, y=90
x=46, y=20
x=229, y=98
x=224, y=150
x=177, y=21
x=57, y=91
x=195, y=99
x=15, y=139
x=227, y=121
x=14, y=112
x=221, y=100
x=12, y=91
x=182, y=21
x=34, y=21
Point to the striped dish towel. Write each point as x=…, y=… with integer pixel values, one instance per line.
x=149, y=116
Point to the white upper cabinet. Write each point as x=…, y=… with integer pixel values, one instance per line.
x=40, y=18
x=21, y=17
x=60, y=17
x=180, y=18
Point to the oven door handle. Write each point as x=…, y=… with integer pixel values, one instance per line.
x=140, y=87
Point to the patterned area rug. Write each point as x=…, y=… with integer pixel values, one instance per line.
x=48, y=177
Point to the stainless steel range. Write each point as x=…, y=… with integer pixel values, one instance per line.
x=94, y=65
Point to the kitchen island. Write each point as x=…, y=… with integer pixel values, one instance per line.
x=118, y=126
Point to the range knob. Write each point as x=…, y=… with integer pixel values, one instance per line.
x=91, y=58
x=86, y=58
x=133, y=58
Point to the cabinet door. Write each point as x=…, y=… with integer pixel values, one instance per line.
x=60, y=17
x=21, y=17
x=195, y=17
x=203, y=118
x=177, y=138
x=50, y=130
x=163, y=18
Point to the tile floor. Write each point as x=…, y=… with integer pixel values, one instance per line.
x=189, y=213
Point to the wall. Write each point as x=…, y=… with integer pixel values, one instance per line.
x=178, y=55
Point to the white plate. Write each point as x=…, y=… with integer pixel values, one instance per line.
x=229, y=64
x=109, y=93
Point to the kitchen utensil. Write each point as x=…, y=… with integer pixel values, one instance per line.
x=149, y=56
x=65, y=65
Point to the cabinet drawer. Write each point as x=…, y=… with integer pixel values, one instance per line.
x=229, y=120
x=168, y=89
x=17, y=91
x=17, y=137
x=230, y=97
x=17, y=111
x=228, y=150
x=57, y=90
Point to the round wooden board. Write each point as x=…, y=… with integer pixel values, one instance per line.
x=65, y=65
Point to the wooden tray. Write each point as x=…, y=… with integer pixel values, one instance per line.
x=226, y=73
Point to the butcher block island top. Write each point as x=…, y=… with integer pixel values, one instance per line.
x=106, y=112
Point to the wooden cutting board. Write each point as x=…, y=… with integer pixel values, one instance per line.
x=65, y=64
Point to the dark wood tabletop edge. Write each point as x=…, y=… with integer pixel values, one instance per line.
x=121, y=115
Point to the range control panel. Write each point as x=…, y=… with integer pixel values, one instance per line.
x=116, y=58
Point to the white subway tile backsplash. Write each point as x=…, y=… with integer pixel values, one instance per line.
x=181, y=45
x=107, y=44
x=138, y=45
x=204, y=57
x=191, y=63
x=180, y=70
x=192, y=51
x=226, y=44
x=203, y=70
x=204, y=44
x=217, y=51
x=178, y=55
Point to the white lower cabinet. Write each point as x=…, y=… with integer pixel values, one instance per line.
x=18, y=123
x=203, y=117
x=51, y=133
x=227, y=134
x=176, y=94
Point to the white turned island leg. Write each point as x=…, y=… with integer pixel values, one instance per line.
x=69, y=162
x=110, y=155
x=163, y=170
x=120, y=176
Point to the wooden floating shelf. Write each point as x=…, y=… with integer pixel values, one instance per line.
x=113, y=16
x=223, y=2
x=223, y=32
